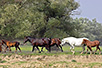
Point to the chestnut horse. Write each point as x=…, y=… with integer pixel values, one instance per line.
x=55, y=41
x=11, y=44
x=44, y=42
x=90, y=44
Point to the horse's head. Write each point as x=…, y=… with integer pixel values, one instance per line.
x=63, y=42
x=3, y=42
x=84, y=41
x=27, y=39
x=55, y=41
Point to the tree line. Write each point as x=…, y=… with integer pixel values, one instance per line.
x=44, y=18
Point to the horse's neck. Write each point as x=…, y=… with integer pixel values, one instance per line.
x=4, y=41
x=31, y=40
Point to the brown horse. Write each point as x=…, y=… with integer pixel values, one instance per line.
x=11, y=44
x=44, y=42
x=55, y=41
x=90, y=44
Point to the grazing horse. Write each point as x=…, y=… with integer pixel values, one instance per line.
x=90, y=44
x=11, y=44
x=44, y=42
x=72, y=41
x=55, y=41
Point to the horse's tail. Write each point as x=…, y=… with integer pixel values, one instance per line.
x=99, y=43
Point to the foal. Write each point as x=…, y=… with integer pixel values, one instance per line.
x=11, y=44
x=90, y=44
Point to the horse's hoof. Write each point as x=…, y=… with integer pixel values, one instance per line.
x=39, y=52
x=81, y=53
x=62, y=51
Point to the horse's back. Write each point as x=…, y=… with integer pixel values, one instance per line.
x=47, y=40
x=97, y=42
x=55, y=41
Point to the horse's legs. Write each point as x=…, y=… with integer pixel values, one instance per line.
x=33, y=48
x=57, y=47
x=72, y=46
x=96, y=49
x=9, y=48
x=19, y=48
x=38, y=49
x=90, y=49
x=16, y=49
x=42, y=49
x=61, y=48
x=83, y=49
x=73, y=49
x=87, y=50
x=47, y=47
x=99, y=50
x=6, y=48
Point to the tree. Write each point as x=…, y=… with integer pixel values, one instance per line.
x=37, y=18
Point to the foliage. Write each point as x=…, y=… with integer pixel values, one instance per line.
x=37, y=18
x=91, y=29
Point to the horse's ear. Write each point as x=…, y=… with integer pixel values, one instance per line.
x=84, y=40
x=50, y=38
x=59, y=38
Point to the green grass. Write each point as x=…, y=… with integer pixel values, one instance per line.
x=65, y=48
x=26, y=50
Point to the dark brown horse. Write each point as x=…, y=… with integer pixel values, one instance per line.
x=11, y=44
x=55, y=41
x=90, y=44
x=44, y=42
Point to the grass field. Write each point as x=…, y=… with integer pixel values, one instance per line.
x=28, y=48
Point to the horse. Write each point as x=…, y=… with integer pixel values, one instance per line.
x=11, y=44
x=44, y=42
x=55, y=41
x=90, y=44
x=72, y=42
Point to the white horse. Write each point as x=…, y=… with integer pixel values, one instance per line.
x=72, y=41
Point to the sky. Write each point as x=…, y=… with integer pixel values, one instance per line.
x=90, y=9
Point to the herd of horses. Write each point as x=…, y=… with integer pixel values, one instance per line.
x=49, y=42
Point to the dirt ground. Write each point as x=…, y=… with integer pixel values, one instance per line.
x=55, y=61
